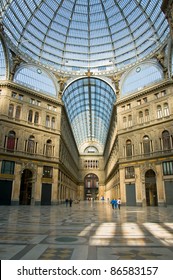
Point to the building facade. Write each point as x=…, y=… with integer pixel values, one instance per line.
x=43, y=156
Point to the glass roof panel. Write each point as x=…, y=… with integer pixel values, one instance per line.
x=2, y=63
x=140, y=77
x=89, y=103
x=84, y=33
x=36, y=79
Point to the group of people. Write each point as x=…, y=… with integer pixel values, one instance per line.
x=116, y=203
x=68, y=202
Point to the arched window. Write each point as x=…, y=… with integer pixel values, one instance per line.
x=31, y=145
x=129, y=120
x=91, y=149
x=166, y=140
x=18, y=111
x=11, y=110
x=147, y=115
x=48, y=150
x=140, y=117
x=124, y=122
x=30, y=115
x=166, y=109
x=11, y=141
x=159, y=111
x=142, y=76
x=128, y=148
x=53, y=123
x=36, y=118
x=47, y=121
x=35, y=78
x=146, y=144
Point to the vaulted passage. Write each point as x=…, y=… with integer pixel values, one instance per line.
x=89, y=103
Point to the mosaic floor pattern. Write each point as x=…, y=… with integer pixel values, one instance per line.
x=86, y=231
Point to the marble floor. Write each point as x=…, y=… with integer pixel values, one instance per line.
x=86, y=231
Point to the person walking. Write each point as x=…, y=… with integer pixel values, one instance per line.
x=112, y=203
x=119, y=203
x=66, y=202
x=115, y=203
x=70, y=201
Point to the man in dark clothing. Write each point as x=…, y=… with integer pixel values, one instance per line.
x=70, y=202
x=66, y=202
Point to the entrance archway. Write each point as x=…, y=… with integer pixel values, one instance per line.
x=151, y=188
x=91, y=184
x=26, y=187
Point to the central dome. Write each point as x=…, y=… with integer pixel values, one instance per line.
x=72, y=36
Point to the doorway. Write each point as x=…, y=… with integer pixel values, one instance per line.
x=91, y=183
x=151, y=188
x=26, y=187
x=130, y=195
x=46, y=194
x=5, y=192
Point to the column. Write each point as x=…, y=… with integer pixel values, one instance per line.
x=55, y=187
x=16, y=184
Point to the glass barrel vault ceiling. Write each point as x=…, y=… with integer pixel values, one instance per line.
x=89, y=104
x=77, y=35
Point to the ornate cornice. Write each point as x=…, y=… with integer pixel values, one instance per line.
x=145, y=91
x=22, y=89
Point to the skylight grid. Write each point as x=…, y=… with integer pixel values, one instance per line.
x=68, y=5
x=43, y=18
x=79, y=28
x=147, y=75
x=111, y=10
x=77, y=33
x=163, y=31
x=153, y=5
x=47, y=9
x=17, y=25
x=100, y=34
x=118, y=27
x=59, y=22
x=81, y=8
x=51, y=40
x=76, y=41
x=92, y=101
x=18, y=11
x=135, y=17
x=79, y=25
x=2, y=63
x=159, y=22
x=144, y=3
x=11, y=32
x=36, y=31
x=39, y=25
x=129, y=8
x=80, y=17
x=65, y=12
x=26, y=9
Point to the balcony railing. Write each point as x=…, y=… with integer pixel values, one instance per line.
x=24, y=154
x=156, y=154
